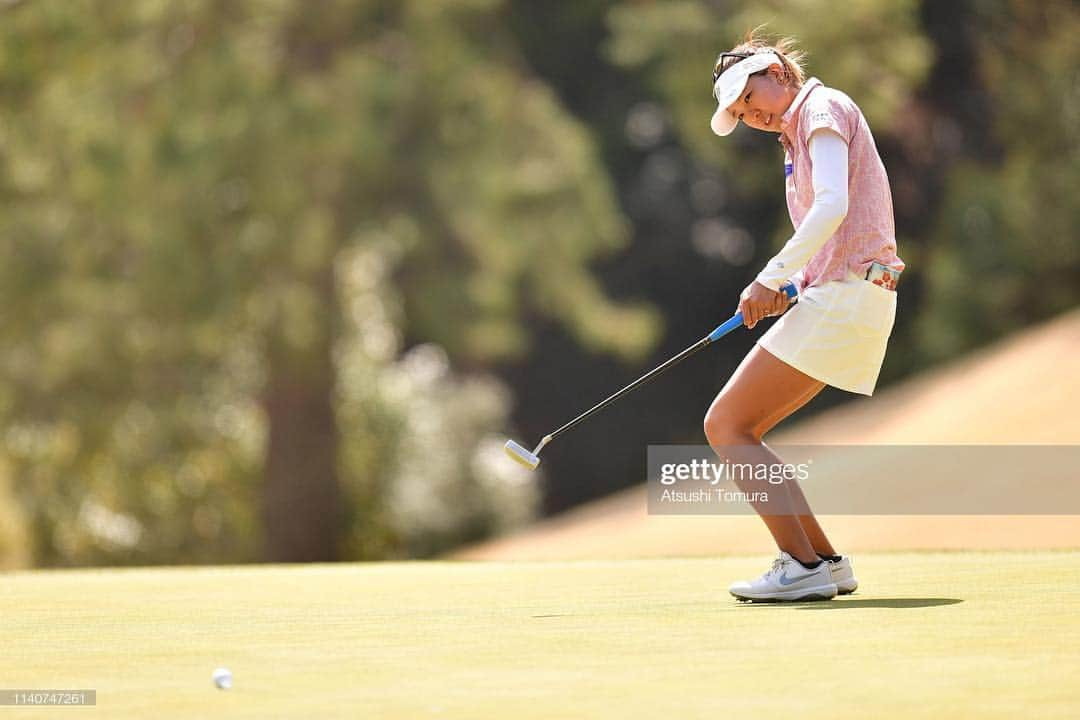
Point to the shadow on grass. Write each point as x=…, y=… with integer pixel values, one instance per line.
x=851, y=603
x=848, y=603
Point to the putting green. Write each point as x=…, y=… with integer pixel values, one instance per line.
x=929, y=635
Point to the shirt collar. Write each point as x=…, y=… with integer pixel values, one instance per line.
x=789, y=120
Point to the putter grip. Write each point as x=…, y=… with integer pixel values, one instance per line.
x=737, y=319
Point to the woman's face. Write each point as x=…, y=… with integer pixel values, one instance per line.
x=764, y=100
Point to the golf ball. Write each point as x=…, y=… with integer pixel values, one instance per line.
x=223, y=678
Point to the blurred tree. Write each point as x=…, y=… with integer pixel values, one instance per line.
x=224, y=224
x=1005, y=252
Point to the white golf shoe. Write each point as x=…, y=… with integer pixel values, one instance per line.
x=843, y=575
x=787, y=580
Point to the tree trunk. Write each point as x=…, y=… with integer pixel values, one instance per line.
x=302, y=500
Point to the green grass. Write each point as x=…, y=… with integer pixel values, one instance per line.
x=928, y=636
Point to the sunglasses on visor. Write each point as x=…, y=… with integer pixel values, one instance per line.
x=721, y=66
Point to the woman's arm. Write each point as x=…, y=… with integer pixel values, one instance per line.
x=829, y=160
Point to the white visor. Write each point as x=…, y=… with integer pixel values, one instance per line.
x=729, y=86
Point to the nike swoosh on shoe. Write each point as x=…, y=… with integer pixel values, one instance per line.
x=785, y=580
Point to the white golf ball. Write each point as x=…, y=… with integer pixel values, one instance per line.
x=223, y=678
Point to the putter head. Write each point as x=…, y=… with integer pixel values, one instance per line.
x=521, y=455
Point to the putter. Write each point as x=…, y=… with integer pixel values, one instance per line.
x=531, y=459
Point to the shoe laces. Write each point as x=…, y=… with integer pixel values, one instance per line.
x=777, y=566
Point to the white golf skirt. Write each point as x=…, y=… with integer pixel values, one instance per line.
x=837, y=333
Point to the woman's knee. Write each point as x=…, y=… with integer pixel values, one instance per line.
x=724, y=426
x=762, y=392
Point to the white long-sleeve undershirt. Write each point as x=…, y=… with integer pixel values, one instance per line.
x=829, y=162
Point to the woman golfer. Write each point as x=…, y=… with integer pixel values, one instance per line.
x=842, y=260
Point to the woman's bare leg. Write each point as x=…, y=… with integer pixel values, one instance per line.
x=763, y=391
x=814, y=532
x=809, y=523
